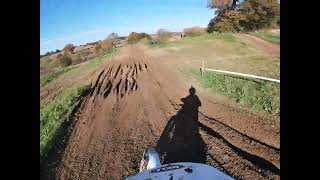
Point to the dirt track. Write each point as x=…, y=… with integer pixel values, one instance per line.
x=134, y=103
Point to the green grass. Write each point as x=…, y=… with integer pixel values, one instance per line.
x=228, y=37
x=45, y=79
x=268, y=36
x=156, y=43
x=259, y=95
x=225, y=37
x=53, y=115
x=105, y=55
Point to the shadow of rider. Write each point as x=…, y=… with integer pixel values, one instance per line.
x=180, y=141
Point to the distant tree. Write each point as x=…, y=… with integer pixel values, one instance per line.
x=136, y=37
x=49, y=53
x=113, y=36
x=68, y=48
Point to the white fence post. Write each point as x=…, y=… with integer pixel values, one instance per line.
x=202, y=69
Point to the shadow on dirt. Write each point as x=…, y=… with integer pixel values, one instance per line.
x=257, y=161
x=180, y=141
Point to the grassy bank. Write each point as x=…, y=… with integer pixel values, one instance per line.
x=55, y=112
x=105, y=55
x=259, y=95
x=53, y=115
x=53, y=74
x=267, y=36
x=45, y=79
x=226, y=37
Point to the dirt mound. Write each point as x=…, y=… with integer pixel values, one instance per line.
x=134, y=103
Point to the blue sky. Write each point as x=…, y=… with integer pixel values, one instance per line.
x=82, y=21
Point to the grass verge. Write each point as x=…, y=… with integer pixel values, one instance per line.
x=45, y=79
x=53, y=115
x=156, y=43
x=106, y=54
x=225, y=37
x=259, y=95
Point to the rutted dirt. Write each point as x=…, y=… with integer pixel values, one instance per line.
x=134, y=103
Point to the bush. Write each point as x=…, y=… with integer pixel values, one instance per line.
x=107, y=43
x=64, y=60
x=194, y=31
x=68, y=48
x=163, y=35
x=156, y=43
x=136, y=37
x=77, y=58
x=98, y=48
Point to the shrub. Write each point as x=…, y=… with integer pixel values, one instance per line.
x=68, y=48
x=156, y=43
x=98, y=48
x=194, y=31
x=107, y=43
x=136, y=37
x=64, y=60
x=76, y=58
x=163, y=35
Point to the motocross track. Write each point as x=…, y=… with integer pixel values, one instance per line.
x=134, y=102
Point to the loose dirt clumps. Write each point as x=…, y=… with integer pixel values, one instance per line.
x=135, y=103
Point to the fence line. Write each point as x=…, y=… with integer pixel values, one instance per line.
x=238, y=74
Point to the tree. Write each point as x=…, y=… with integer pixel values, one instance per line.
x=222, y=4
x=248, y=15
x=259, y=13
